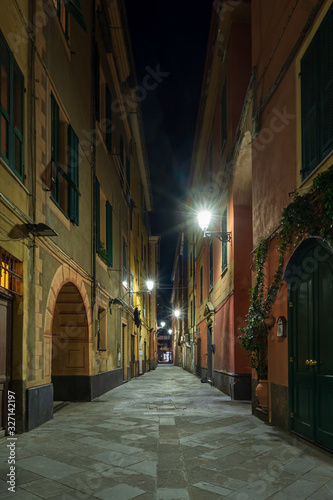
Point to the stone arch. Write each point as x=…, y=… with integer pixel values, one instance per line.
x=67, y=330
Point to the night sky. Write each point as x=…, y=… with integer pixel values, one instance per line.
x=172, y=38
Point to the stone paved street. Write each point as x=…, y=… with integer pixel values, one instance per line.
x=164, y=436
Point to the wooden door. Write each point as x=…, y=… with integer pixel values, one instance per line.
x=311, y=360
x=5, y=359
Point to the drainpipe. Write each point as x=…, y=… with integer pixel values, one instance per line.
x=93, y=161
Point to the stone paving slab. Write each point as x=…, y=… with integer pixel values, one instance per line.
x=164, y=436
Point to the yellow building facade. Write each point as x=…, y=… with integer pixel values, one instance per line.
x=75, y=196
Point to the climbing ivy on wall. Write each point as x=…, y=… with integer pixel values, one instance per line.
x=309, y=214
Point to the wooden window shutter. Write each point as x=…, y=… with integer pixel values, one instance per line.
x=109, y=233
x=326, y=78
x=98, y=218
x=73, y=171
x=108, y=119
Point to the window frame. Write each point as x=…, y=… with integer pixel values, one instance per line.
x=12, y=130
x=315, y=91
x=70, y=152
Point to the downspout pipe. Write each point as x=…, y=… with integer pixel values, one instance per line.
x=93, y=157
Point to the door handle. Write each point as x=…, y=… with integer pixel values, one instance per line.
x=311, y=362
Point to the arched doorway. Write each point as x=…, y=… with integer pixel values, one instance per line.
x=70, y=345
x=310, y=278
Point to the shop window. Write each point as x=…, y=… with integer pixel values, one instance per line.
x=10, y=273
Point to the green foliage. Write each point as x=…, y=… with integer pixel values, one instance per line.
x=309, y=214
x=103, y=253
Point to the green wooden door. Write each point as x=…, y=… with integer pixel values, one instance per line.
x=311, y=346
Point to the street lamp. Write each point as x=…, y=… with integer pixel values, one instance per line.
x=150, y=285
x=169, y=331
x=204, y=217
x=177, y=313
x=120, y=300
x=162, y=324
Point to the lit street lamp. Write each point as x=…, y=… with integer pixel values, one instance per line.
x=204, y=217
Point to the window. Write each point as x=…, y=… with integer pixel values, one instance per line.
x=317, y=97
x=191, y=264
x=121, y=152
x=224, y=243
x=105, y=111
x=201, y=285
x=104, y=227
x=224, y=133
x=128, y=173
x=124, y=261
x=211, y=266
x=191, y=324
x=108, y=119
x=132, y=288
x=144, y=305
x=11, y=111
x=10, y=273
x=101, y=329
x=109, y=239
x=64, y=164
x=62, y=15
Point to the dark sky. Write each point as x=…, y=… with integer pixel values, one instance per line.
x=170, y=36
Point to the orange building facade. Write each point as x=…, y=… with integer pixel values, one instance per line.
x=264, y=143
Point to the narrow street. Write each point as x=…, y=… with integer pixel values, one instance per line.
x=164, y=436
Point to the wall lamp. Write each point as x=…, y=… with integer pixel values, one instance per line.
x=204, y=217
x=40, y=229
x=120, y=300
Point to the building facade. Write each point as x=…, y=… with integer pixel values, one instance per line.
x=75, y=198
x=262, y=164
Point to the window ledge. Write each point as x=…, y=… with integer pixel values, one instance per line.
x=59, y=213
x=16, y=177
x=101, y=262
x=307, y=183
x=224, y=272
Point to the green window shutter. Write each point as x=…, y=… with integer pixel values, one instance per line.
x=74, y=8
x=109, y=245
x=73, y=171
x=18, y=122
x=309, y=92
x=326, y=79
x=124, y=260
x=54, y=148
x=98, y=219
x=121, y=147
x=224, y=243
x=317, y=97
x=4, y=99
x=11, y=111
x=54, y=129
x=108, y=119
x=128, y=173
x=97, y=85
